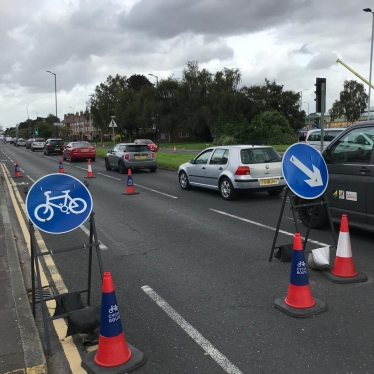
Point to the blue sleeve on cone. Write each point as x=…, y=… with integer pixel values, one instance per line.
x=299, y=274
x=110, y=322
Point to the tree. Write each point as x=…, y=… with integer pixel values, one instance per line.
x=270, y=127
x=51, y=119
x=336, y=111
x=353, y=100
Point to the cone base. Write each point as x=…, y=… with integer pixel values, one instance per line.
x=360, y=277
x=17, y=176
x=90, y=177
x=317, y=308
x=130, y=193
x=136, y=361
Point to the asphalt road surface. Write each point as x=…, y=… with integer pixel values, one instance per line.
x=193, y=283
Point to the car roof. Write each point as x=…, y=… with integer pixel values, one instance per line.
x=241, y=146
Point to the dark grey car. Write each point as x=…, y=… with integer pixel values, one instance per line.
x=130, y=155
x=350, y=163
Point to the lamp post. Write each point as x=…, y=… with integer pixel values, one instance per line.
x=308, y=111
x=73, y=121
x=157, y=113
x=301, y=98
x=36, y=120
x=371, y=57
x=55, y=98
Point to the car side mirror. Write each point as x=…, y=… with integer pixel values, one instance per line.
x=192, y=161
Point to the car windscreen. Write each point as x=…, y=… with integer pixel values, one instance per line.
x=39, y=140
x=81, y=144
x=136, y=148
x=259, y=155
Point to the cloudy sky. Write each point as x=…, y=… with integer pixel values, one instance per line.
x=84, y=41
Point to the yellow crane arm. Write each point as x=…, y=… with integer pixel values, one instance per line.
x=351, y=70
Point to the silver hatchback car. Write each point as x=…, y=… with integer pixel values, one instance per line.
x=130, y=155
x=234, y=167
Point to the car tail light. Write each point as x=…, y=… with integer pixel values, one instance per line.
x=153, y=155
x=242, y=170
x=49, y=145
x=126, y=156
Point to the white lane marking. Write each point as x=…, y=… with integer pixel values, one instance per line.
x=86, y=231
x=79, y=167
x=32, y=180
x=266, y=226
x=108, y=176
x=161, y=193
x=216, y=355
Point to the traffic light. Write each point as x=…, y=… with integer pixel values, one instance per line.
x=318, y=93
x=36, y=131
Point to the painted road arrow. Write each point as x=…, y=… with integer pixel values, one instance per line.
x=315, y=175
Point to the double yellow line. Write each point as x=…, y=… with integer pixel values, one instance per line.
x=70, y=349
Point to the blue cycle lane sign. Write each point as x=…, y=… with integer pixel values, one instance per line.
x=58, y=203
x=305, y=171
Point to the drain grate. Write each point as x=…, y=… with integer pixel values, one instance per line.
x=47, y=291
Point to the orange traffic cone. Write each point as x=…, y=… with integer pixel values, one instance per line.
x=90, y=174
x=344, y=270
x=130, y=190
x=61, y=167
x=175, y=150
x=299, y=301
x=17, y=173
x=113, y=350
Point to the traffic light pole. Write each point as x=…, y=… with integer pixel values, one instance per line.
x=323, y=101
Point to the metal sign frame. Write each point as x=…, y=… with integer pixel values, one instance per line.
x=321, y=201
x=36, y=254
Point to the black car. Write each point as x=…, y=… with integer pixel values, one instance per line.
x=53, y=146
x=350, y=190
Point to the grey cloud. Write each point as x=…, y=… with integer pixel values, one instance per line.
x=303, y=50
x=322, y=61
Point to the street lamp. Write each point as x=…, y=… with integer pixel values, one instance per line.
x=371, y=57
x=157, y=114
x=308, y=111
x=73, y=121
x=55, y=98
x=301, y=98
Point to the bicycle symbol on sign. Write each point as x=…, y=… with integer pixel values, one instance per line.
x=69, y=205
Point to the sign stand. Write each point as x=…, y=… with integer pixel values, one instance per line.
x=294, y=208
x=35, y=266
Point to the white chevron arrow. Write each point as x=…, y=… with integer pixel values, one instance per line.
x=315, y=175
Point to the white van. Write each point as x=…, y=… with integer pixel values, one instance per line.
x=313, y=137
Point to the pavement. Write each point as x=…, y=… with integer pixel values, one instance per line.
x=20, y=345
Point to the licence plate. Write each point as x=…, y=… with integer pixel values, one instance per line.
x=268, y=181
x=84, y=150
x=140, y=157
x=57, y=149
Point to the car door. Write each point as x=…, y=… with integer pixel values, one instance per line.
x=217, y=164
x=112, y=156
x=197, y=170
x=351, y=176
x=67, y=150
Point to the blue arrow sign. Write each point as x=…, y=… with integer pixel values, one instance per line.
x=58, y=203
x=305, y=171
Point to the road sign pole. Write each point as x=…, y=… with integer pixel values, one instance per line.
x=323, y=101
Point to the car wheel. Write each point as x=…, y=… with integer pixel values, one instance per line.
x=32, y=149
x=64, y=158
x=122, y=168
x=305, y=214
x=183, y=181
x=275, y=192
x=107, y=165
x=93, y=159
x=227, y=190
x=153, y=169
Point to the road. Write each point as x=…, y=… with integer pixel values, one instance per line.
x=193, y=283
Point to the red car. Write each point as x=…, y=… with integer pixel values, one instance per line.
x=79, y=151
x=152, y=146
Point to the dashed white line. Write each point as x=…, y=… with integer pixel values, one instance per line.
x=216, y=355
x=108, y=176
x=264, y=226
x=86, y=231
x=161, y=193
